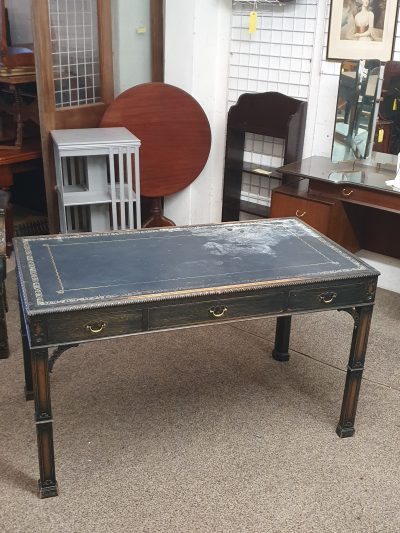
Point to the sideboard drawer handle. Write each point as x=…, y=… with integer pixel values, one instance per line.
x=300, y=215
x=347, y=192
x=218, y=311
x=96, y=327
x=327, y=297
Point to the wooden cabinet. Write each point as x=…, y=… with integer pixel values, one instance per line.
x=349, y=202
x=384, y=200
x=326, y=214
x=316, y=213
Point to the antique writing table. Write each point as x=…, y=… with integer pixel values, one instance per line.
x=81, y=287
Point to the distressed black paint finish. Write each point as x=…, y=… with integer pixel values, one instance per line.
x=26, y=353
x=4, y=349
x=362, y=321
x=282, y=336
x=44, y=424
x=180, y=277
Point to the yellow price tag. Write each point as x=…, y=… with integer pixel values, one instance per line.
x=395, y=104
x=252, y=22
x=380, y=135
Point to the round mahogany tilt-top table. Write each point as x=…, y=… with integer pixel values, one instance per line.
x=175, y=138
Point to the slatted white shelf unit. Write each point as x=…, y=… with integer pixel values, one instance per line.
x=76, y=195
x=98, y=179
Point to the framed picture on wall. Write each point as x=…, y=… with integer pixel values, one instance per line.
x=362, y=29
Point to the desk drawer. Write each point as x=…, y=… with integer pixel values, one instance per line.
x=314, y=212
x=94, y=324
x=216, y=310
x=358, y=195
x=323, y=297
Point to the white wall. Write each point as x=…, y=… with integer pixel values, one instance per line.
x=131, y=47
x=19, y=12
x=197, y=34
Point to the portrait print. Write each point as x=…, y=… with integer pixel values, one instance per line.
x=362, y=29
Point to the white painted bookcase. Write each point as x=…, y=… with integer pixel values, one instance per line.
x=98, y=179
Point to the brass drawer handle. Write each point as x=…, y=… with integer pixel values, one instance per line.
x=300, y=215
x=218, y=311
x=327, y=297
x=345, y=192
x=97, y=327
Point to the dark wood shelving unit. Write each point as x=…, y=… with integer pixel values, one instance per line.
x=270, y=114
x=252, y=208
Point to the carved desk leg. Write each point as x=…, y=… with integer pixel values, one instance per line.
x=4, y=350
x=44, y=424
x=362, y=320
x=27, y=357
x=282, y=337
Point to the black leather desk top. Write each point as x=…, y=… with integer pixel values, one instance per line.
x=84, y=270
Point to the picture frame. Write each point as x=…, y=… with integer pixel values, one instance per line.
x=362, y=29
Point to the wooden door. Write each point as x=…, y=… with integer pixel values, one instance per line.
x=73, y=56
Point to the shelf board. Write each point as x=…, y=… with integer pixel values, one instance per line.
x=77, y=195
x=261, y=170
x=254, y=209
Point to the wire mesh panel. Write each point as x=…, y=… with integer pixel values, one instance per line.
x=277, y=57
x=261, y=153
x=258, y=3
x=75, y=52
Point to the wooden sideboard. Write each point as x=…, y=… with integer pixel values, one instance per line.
x=348, y=202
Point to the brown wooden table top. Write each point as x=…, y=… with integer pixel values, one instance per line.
x=30, y=150
x=17, y=80
x=174, y=133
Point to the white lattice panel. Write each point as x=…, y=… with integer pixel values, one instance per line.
x=276, y=58
x=75, y=52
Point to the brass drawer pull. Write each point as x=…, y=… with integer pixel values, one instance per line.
x=327, y=297
x=300, y=215
x=345, y=192
x=218, y=311
x=97, y=327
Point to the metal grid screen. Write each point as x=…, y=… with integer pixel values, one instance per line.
x=277, y=57
x=261, y=151
x=75, y=52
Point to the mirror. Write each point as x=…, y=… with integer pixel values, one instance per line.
x=387, y=132
x=352, y=176
x=358, y=85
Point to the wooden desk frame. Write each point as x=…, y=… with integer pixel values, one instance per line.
x=354, y=294
x=4, y=348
